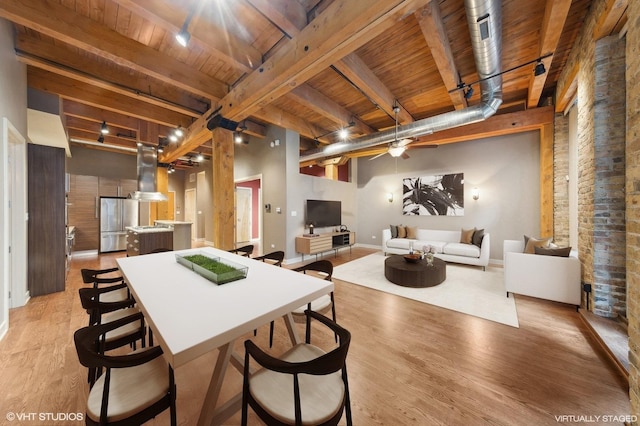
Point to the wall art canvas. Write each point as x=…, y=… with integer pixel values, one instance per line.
x=436, y=195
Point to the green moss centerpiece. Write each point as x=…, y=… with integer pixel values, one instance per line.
x=214, y=269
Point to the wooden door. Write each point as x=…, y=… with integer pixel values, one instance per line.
x=243, y=214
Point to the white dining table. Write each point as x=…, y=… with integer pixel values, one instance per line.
x=191, y=316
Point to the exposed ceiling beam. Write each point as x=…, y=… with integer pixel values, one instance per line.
x=432, y=26
x=68, y=88
x=348, y=25
x=326, y=107
x=215, y=41
x=72, y=108
x=555, y=16
x=566, y=91
x=289, y=16
x=287, y=120
x=610, y=19
x=64, y=24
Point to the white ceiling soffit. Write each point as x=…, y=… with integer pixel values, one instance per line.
x=46, y=129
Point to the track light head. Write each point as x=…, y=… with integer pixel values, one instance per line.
x=103, y=128
x=469, y=92
x=101, y=138
x=539, y=69
x=183, y=36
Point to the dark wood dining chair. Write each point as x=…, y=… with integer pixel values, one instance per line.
x=243, y=251
x=306, y=385
x=134, y=388
x=322, y=269
x=274, y=258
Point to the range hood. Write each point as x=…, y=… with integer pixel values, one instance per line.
x=147, y=165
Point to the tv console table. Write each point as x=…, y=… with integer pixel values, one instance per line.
x=325, y=242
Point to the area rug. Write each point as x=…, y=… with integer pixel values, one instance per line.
x=467, y=289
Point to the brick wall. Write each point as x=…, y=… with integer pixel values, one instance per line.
x=560, y=183
x=609, y=246
x=632, y=157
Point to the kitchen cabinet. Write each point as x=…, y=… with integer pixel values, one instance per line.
x=110, y=187
x=46, y=229
x=145, y=239
x=83, y=211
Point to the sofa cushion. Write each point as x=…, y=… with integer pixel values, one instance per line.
x=394, y=231
x=462, y=249
x=412, y=232
x=466, y=235
x=478, y=235
x=402, y=231
x=530, y=243
x=399, y=243
x=558, y=251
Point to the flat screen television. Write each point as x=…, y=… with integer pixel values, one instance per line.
x=322, y=213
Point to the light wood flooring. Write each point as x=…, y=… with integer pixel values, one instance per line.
x=409, y=363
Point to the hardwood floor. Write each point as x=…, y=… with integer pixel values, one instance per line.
x=409, y=363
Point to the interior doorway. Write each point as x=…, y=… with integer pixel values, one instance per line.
x=243, y=215
x=248, y=211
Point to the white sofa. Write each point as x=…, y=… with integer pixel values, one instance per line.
x=546, y=277
x=447, y=244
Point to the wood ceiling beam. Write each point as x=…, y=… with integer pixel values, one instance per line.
x=218, y=43
x=68, y=88
x=348, y=25
x=287, y=120
x=357, y=72
x=567, y=91
x=555, y=16
x=109, y=140
x=326, y=107
x=61, y=70
x=608, y=21
x=432, y=26
x=71, y=108
x=496, y=125
x=78, y=123
x=64, y=24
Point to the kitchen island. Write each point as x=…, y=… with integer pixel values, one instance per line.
x=146, y=239
x=181, y=233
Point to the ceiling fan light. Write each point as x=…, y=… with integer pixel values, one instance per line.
x=396, y=151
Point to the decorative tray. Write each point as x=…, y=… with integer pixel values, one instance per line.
x=215, y=269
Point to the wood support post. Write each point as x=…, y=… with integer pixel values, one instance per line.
x=546, y=180
x=223, y=194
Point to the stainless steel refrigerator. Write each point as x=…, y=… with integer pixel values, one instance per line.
x=116, y=213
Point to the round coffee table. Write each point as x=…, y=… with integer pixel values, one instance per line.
x=419, y=274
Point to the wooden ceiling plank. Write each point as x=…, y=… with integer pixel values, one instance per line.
x=430, y=21
x=289, y=16
x=215, y=41
x=343, y=27
x=287, y=120
x=67, y=88
x=74, y=29
x=326, y=107
x=555, y=16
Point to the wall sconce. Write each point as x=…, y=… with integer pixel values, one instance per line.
x=475, y=193
x=390, y=197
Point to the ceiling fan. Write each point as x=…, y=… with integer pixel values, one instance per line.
x=397, y=147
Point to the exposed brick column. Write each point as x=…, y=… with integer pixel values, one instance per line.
x=560, y=183
x=632, y=156
x=609, y=289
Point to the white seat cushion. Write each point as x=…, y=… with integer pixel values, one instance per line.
x=126, y=329
x=461, y=249
x=131, y=390
x=320, y=396
x=114, y=296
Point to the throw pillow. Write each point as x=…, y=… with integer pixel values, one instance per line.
x=531, y=243
x=466, y=235
x=412, y=232
x=402, y=231
x=478, y=235
x=560, y=251
x=394, y=231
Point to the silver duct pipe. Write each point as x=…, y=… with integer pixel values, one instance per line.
x=484, y=18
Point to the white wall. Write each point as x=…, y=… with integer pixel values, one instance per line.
x=505, y=169
x=13, y=110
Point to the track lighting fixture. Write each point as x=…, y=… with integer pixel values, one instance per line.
x=183, y=36
x=469, y=92
x=539, y=70
x=101, y=138
x=200, y=157
x=179, y=132
x=237, y=137
x=103, y=128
